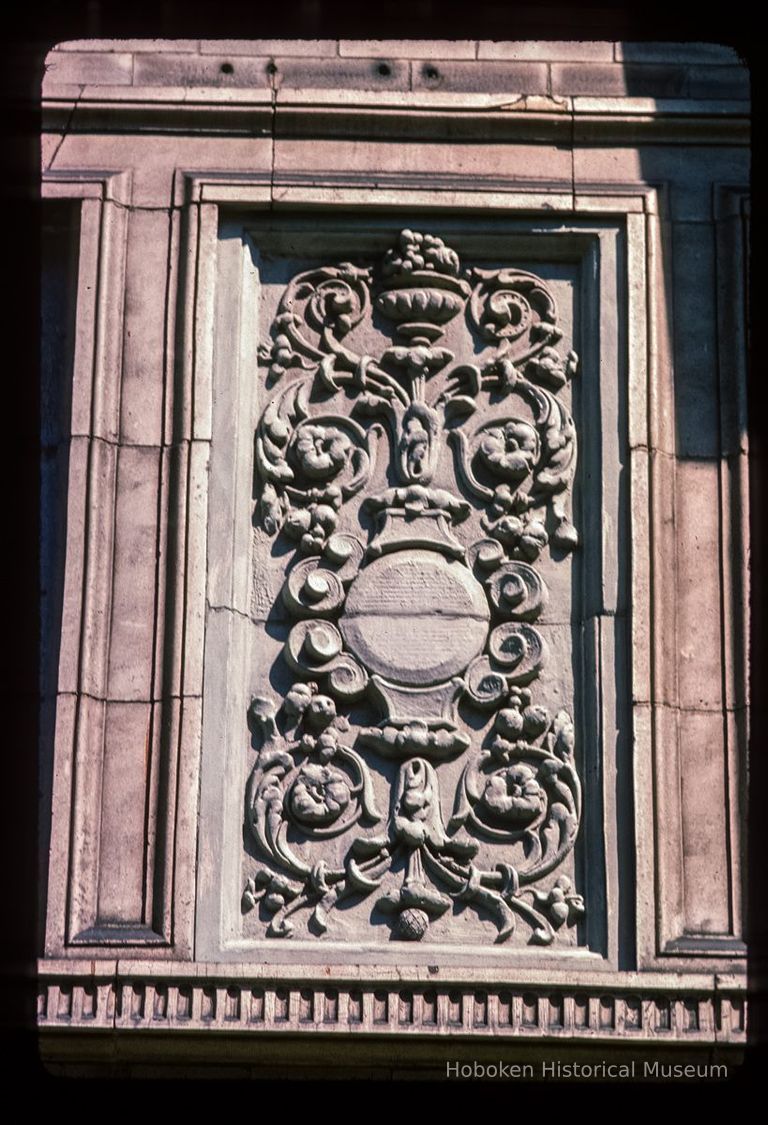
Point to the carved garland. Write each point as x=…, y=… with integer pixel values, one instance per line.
x=349, y=598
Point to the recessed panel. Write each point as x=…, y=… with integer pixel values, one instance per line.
x=406, y=744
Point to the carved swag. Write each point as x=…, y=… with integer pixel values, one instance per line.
x=407, y=618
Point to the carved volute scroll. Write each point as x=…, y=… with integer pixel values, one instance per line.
x=413, y=494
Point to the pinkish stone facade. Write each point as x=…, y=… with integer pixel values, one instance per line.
x=395, y=669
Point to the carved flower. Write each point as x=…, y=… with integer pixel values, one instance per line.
x=513, y=794
x=510, y=451
x=319, y=795
x=321, y=450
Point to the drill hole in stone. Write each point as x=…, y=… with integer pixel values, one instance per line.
x=227, y=68
x=384, y=69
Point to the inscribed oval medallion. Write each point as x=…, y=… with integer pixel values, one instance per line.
x=415, y=617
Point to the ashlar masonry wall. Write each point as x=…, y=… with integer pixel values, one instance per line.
x=395, y=671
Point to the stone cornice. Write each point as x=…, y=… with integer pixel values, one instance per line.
x=394, y=114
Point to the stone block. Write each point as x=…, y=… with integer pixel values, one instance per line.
x=694, y=311
x=145, y=357
x=341, y=73
x=135, y=574
x=527, y=165
x=409, y=48
x=505, y=77
x=310, y=48
x=547, y=51
x=709, y=53
x=718, y=82
x=699, y=594
x=127, y=771
x=704, y=825
x=199, y=70
x=614, y=79
x=157, y=162
x=86, y=68
x=133, y=45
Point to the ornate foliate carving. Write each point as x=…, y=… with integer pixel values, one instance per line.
x=374, y=464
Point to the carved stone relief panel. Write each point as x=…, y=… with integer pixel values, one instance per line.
x=409, y=754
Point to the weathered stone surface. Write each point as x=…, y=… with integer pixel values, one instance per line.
x=359, y=74
x=704, y=827
x=134, y=574
x=688, y=175
x=198, y=70
x=145, y=374
x=711, y=53
x=124, y=785
x=699, y=628
x=63, y=67
x=615, y=78
x=174, y=46
x=523, y=165
x=695, y=347
x=718, y=82
x=511, y=77
x=313, y=48
x=550, y=51
x=409, y=48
